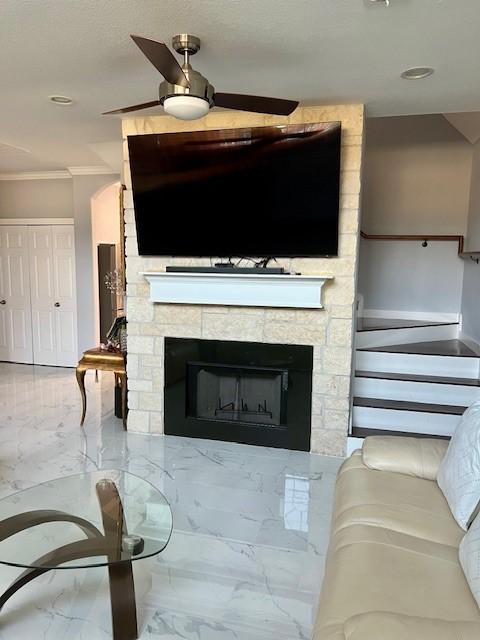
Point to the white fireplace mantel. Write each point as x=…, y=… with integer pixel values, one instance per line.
x=237, y=289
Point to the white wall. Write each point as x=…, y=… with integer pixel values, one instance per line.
x=36, y=199
x=404, y=276
x=471, y=301
x=416, y=181
x=105, y=230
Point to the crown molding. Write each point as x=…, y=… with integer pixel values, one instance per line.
x=90, y=171
x=65, y=174
x=12, y=222
x=36, y=175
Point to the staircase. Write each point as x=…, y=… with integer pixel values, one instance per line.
x=412, y=378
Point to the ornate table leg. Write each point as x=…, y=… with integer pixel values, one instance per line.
x=80, y=372
x=122, y=588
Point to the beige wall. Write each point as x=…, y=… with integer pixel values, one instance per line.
x=416, y=177
x=329, y=331
x=105, y=230
x=36, y=198
x=84, y=188
x=471, y=279
x=472, y=240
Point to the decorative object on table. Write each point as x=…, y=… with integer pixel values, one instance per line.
x=114, y=281
x=108, y=300
x=104, y=360
x=90, y=495
x=117, y=334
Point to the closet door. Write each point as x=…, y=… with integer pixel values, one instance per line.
x=15, y=321
x=53, y=294
x=42, y=294
x=65, y=303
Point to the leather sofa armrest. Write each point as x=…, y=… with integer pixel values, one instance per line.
x=419, y=457
x=377, y=625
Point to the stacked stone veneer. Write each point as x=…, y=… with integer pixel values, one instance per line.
x=329, y=330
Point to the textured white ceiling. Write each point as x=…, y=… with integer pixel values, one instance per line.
x=318, y=51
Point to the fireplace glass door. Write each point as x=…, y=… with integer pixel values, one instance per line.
x=248, y=395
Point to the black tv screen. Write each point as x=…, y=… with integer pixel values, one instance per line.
x=256, y=192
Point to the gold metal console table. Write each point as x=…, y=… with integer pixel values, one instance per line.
x=103, y=360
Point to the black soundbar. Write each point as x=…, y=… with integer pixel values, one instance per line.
x=268, y=271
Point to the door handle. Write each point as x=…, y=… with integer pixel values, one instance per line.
x=3, y=302
x=57, y=304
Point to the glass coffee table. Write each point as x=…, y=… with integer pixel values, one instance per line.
x=81, y=521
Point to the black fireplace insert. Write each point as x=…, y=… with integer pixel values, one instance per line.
x=247, y=392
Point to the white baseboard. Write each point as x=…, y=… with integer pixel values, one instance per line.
x=433, y=316
x=386, y=337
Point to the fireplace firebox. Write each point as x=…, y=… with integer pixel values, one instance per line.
x=239, y=391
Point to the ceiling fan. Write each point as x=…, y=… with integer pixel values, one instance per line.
x=186, y=94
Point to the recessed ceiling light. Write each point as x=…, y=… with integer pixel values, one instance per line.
x=417, y=73
x=62, y=100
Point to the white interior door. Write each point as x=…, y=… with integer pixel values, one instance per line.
x=52, y=273
x=15, y=318
x=65, y=304
x=42, y=294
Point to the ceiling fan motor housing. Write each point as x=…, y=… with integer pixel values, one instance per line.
x=184, y=42
x=187, y=45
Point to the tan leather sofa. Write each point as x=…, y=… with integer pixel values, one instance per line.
x=392, y=569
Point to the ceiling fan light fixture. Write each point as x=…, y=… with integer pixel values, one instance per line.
x=186, y=107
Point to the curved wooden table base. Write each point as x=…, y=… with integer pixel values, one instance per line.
x=122, y=590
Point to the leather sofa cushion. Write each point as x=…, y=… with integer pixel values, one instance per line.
x=419, y=457
x=394, y=501
x=371, y=574
x=383, y=626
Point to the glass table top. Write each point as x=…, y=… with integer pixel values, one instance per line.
x=85, y=520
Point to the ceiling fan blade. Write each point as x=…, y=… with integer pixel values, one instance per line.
x=135, y=107
x=257, y=104
x=162, y=59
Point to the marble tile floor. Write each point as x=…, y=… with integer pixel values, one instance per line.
x=251, y=524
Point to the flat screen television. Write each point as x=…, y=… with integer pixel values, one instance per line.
x=256, y=192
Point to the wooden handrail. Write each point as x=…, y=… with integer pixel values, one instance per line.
x=459, y=239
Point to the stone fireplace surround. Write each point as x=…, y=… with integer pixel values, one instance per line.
x=328, y=330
